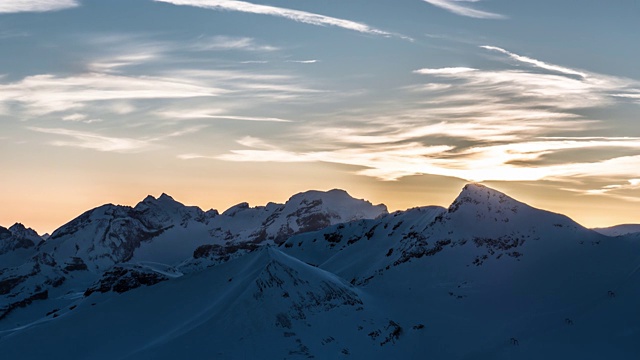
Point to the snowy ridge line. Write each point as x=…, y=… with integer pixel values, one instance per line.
x=502, y=278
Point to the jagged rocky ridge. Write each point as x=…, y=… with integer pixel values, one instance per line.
x=18, y=237
x=487, y=278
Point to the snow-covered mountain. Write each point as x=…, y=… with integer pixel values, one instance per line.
x=619, y=230
x=326, y=276
x=17, y=244
x=156, y=233
x=18, y=237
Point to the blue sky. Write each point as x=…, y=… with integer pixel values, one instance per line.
x=398, y=101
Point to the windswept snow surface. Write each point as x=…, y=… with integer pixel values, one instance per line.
x=487, y=278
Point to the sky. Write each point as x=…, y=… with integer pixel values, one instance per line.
x=400, y=102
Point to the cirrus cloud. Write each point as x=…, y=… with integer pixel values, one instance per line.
x=456, y=7
x=15, y=6
x=503, y=124
x=295, y=15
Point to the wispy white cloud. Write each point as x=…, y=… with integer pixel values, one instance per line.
x=74, y=117
x=197, y=114
x=89, y=140
x=95, y=141
x=253, y=142
x=295, y=15
x=444, y=71
x=634, y=95
x=77, y=117
x=480, y=163
x=456, y=7
x=113, y=84
x=474, y=124
x=14, y=6
x=114, y=64
x=177, y=133
x=631, y=184
x=303, y=61
x=122, y=53
x=248, y=118
x=43, y=94
x=536, y=63
x=220, y=43
x=255, y=84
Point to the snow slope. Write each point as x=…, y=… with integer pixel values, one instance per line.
x=264, y=305
x=489, y=269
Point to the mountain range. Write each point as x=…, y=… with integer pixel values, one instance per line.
x=322, y=276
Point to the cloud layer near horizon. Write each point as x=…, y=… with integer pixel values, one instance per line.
x=512, y=124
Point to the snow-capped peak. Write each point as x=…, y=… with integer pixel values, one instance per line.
x=17, y=237
x=21, y=231
x=164, y=202
x=340, y=203
x=478, y=194
x=483, y=197
x=480, y=211
x=165, y=211
x=232, y=211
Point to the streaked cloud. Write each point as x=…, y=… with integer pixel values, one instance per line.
x=43, y=94
x=186, y=115
x=15, y=6
x=99, y=142
x=89, y=140
x=631, y=184
x=480, y=163
x=501, y=124
x=303, y=61
x=458, y=7
x=221, y=43
x=536, y=63
x=626, y=191
x=77, y=117
x=444, y=71
x=257, y=85
x=114, y=64
x=295, y=15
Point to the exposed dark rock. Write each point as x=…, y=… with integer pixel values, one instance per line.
x=9, y=284
x=223, y=253
x=75, y=264
x=334, y=237
x=498, y=247
x=4, y=311
x=56, y=282
x=395, y=330
x=121, y=280
x=45, y=259
x=313, y=222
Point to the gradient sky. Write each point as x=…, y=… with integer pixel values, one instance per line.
x=397, y=101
